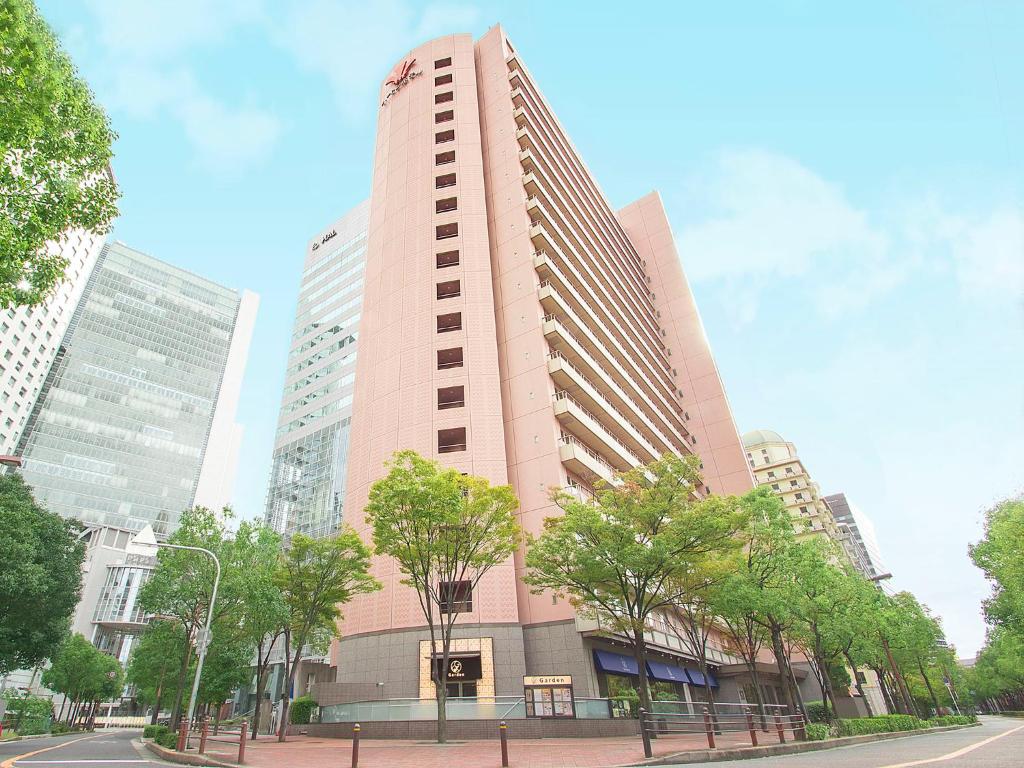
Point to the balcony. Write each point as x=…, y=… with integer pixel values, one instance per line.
x=591, y=432
x=583, y=461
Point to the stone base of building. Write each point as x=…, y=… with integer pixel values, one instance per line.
x=475, y=729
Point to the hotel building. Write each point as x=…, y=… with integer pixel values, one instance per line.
x=307, y=479
x=514, y=326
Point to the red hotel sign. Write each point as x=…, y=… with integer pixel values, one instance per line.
x=399, y=78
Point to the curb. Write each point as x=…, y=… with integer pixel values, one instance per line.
x=184, y=758
x=750, y=753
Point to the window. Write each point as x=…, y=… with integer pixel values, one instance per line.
x=799, y=495
x=775, y=486
x=451, y=440
x=771, y=475
x=449, y=322
x=444, y=136
x=441, y=63
x=443, y=79
x=446, y=180
x=447, y=259
x=443, y=98
x=447, y=231
x=443, y=158
x=449, y=289
x=446, y=204
x=444, y=117
x=789, y=470
x=804, y=510
x=792, y=483
x=449, y=358
x=456, y=596
x=451, y=397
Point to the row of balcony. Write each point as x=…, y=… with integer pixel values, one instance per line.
x=589, y=428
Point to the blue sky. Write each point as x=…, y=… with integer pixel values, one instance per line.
x=846, y=182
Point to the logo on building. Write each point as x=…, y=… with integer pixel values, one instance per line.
x=400, y=77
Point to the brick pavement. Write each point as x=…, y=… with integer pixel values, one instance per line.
x=312, y=752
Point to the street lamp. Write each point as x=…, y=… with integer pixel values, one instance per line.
x=145, y=543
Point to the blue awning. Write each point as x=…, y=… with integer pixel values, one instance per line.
x=616, y=663
x=696, y=678
x=666, y=672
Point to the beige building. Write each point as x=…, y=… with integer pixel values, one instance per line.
x=776, y=464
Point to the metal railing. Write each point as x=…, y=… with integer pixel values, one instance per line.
x=480, y=708
x=736, y=718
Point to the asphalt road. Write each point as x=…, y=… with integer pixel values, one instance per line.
x=104, y=749
x=997, y=743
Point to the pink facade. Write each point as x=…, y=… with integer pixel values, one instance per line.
x=581, y=347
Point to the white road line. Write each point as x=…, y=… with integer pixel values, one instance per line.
x=958, y=753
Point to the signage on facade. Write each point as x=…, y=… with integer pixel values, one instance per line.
x=323, y=241
x=529, y=680
x=549, y=696
x=399, y=78
x=461, y=668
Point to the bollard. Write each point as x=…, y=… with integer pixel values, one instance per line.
x=644, y=735
x=780, y=729
x=801, y=722
x=503, y=734
x=355, y=745
x=709, y=728
x=203, y=733
x=182, y=735
x=751, y=728
x=241, y=741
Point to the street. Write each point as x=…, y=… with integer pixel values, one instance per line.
x=965, y=748
x=101, y=749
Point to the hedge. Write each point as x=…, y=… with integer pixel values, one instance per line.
x=896, y=723
x=815, y=711
x=818, y=732
x=167, y=738
x=935, y=722
x=301, y=709
x=153, y=730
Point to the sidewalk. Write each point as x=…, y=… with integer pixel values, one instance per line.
x=310, y=752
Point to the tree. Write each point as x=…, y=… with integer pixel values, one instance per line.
x=316, y=577
x=85, y=675
x=155, y=658
x=41, y=576
x=55, y=150
x=445, y=531
x=1000, y=554
x=623, y=556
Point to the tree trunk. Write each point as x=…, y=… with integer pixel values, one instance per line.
x=758, y=696
x=640, y=654
x=887, y=692
x=856, y=682
x=928, y=685
x=289, y=670
x=783, y=665
x=182, y=676
x=826, y=680
x=901, y=684
x=261, y=682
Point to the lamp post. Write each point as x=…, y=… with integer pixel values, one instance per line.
x=145, y=543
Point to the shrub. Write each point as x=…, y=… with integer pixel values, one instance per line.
x=818, y=731
x=815, y=711
x=859, y=726
x=935, y=722
x=58, y=728
x=301, y=709
x=166, y=738
x=151, y=731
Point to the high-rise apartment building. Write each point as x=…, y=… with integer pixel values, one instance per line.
x=307, y=479
x=860, y=533
x=135, y=422
x=514, y=326
x=30, y=336
x=776, y=464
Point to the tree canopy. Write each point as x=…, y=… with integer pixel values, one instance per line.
x=40, y=579
x=55, y=150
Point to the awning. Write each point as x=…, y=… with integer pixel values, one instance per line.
x=666, y=672
x=696, y=678
x=616, y=663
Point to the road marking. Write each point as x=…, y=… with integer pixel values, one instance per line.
x=958, y=753
x=12, y=760
x=48, y=762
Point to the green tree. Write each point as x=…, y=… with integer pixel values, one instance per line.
x=1000, y=554
x=154, y=662
x=445, y=531
x=40, y=579
x=55, y=150
x=316, y=577
x=622, y=556
x=85, y=675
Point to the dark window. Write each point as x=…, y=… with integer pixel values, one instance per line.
x=792, y=484
x=799, y=495
x=448, y=290
x=443, y=158
x=443, y=79
x=445, y=62
x=444, y=136
x=449, y=358
x=447, y=259
x=447, y=180
x=804, y=510
x=446, y=204
x=775, y=486
x=451, y=440
x=442, y=98
x=451, y=397
x=444, y=117
x=456, y=596
x=449, y=322
x=446, y=231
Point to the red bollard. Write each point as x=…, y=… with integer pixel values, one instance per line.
x=751, y=728
x=780, y=729
x=182, y=735
x=355, y=745
x=203, y=733
x=503, y=735
x=709, y=728
x=241, y=741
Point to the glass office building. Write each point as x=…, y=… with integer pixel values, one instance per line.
x=307, y=480
x=137, y=411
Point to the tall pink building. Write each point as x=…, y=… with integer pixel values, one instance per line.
x=514, y=326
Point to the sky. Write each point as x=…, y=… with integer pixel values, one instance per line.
x=845, y=182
